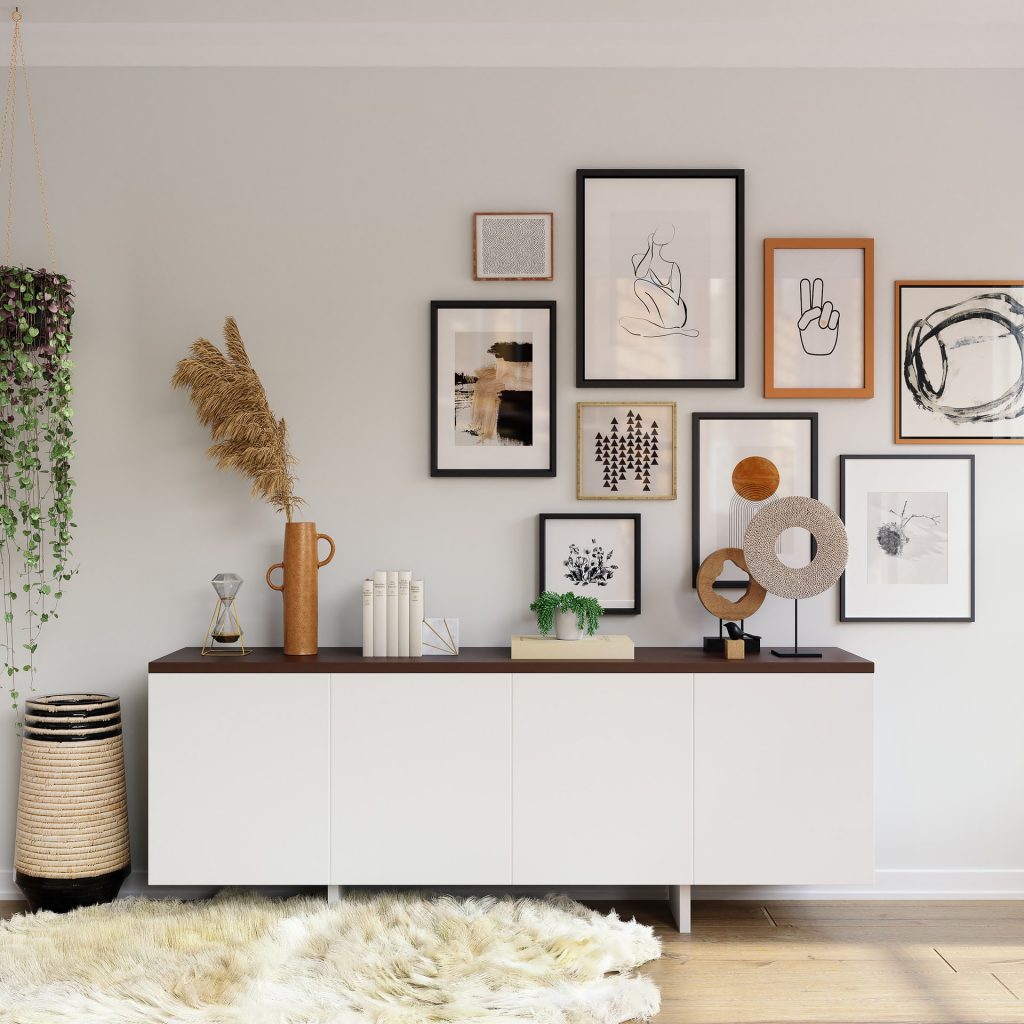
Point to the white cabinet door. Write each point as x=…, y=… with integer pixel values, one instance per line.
x=783, y=779
x=420, y=778
x=238, y=779
x=602, y=778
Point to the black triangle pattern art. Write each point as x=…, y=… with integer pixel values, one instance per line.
x=627, y=455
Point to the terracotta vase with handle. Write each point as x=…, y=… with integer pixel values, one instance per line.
x=300, y=568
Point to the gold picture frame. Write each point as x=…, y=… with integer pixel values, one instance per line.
x=513, y=247
x=629, y=461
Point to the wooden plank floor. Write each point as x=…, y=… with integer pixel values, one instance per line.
x=835, y=963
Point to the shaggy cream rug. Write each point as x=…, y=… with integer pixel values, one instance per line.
x=370, y=959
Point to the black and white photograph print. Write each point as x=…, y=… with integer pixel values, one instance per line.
x=819, y=317
x=626, y=451
x=513, y=246
x=595, y=556
x=659, y=278
x=907, y=536
x=910, y=524
x=959, y=362
x=492, y=394
x=740, y=462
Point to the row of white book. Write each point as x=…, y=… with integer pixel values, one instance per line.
x=392, y=615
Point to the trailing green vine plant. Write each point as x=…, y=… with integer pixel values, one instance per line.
x=588, y=611
x=36, y=448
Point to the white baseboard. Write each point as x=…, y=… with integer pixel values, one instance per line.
x=890, y=884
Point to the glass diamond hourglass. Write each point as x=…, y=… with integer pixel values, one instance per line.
x=224, y=635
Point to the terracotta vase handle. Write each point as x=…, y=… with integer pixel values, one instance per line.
x=330, y=540
x=270, y=583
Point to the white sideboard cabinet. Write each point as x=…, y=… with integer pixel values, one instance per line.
x=678, y=768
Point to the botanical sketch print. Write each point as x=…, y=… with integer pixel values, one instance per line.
x=658, y=286
x=494, y=388
x=908, y=536
x=627, y=457
x=965, y=362
x=590, y=565
x=819, y=320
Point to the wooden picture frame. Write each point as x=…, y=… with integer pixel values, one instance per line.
x=554, y=551
x=752, y=438
x=663, y=251
x=531, y=246
x=899, y=505
x=509, y=434
x=647, y=464
x=922, y=414
x=804, y=358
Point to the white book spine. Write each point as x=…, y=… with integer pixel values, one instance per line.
x=367, y=618
x=416, y=618
x=380, y=614
x=404, y=579
x=392, y=633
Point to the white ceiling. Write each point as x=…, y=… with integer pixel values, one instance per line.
x=526, y=33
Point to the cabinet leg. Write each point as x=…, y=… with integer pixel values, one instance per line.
x=334, y=893
x=679, y=904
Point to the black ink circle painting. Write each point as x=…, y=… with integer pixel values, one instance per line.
x=659, y=278
x=960, y=362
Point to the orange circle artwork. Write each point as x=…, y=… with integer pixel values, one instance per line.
x=755, y=478
x=718, y=604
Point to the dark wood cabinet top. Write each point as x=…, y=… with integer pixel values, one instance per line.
x=498, y=659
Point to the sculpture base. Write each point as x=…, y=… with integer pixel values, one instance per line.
x=795, y=652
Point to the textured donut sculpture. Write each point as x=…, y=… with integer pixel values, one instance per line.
x=771, y=572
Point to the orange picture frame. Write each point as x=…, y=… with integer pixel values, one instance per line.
x=867, y=389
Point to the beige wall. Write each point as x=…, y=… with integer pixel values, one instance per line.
x=326, y=208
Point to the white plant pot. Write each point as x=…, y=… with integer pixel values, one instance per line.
x=566, y=627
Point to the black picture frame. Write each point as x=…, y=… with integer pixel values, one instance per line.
x=545, y=517
x=969, y=458
x=582, y=381
x=440, y=304
x=697, y=419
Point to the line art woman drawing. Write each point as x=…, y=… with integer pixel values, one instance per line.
x=658, y=284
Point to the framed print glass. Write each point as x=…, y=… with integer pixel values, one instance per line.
x=492, y=407
x=741, y=461
x=594, y=555
x=626, y=450
x=513, y=246
x=819, y=313
x=959, y=362
x=659, y=278
x=910, y=524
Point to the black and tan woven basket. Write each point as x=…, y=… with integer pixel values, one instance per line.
x=71, y=848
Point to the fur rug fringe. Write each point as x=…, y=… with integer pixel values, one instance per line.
x=391, y=958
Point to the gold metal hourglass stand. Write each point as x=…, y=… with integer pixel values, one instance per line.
x=224, y=635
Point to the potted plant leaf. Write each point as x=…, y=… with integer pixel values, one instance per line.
x=572, y=617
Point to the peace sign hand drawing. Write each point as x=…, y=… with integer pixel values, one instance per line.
x=819, y=321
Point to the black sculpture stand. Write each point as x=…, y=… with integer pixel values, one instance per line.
x=716, y=644
x=796, y=651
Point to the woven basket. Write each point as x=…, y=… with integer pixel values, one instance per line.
x=72, y=848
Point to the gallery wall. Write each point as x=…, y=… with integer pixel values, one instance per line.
x=326, y=208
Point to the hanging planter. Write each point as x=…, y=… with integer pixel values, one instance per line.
x=36, y=438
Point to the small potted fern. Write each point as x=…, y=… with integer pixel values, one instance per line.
x=572, y=617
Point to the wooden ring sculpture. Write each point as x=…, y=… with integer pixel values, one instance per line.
x=718, y=604
x=820, y=522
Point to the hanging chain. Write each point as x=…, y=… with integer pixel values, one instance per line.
x=7, y=131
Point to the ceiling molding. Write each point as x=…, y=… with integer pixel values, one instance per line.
x=748, y=43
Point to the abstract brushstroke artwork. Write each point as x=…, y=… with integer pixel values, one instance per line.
x=741, y=462
x=625, y=451
x=908, y=537
x=492, y=384
x=659, y=278
x=818, y=317
x=513, y=246
x=910, y=525
x=960, y=362
x=594, y=556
